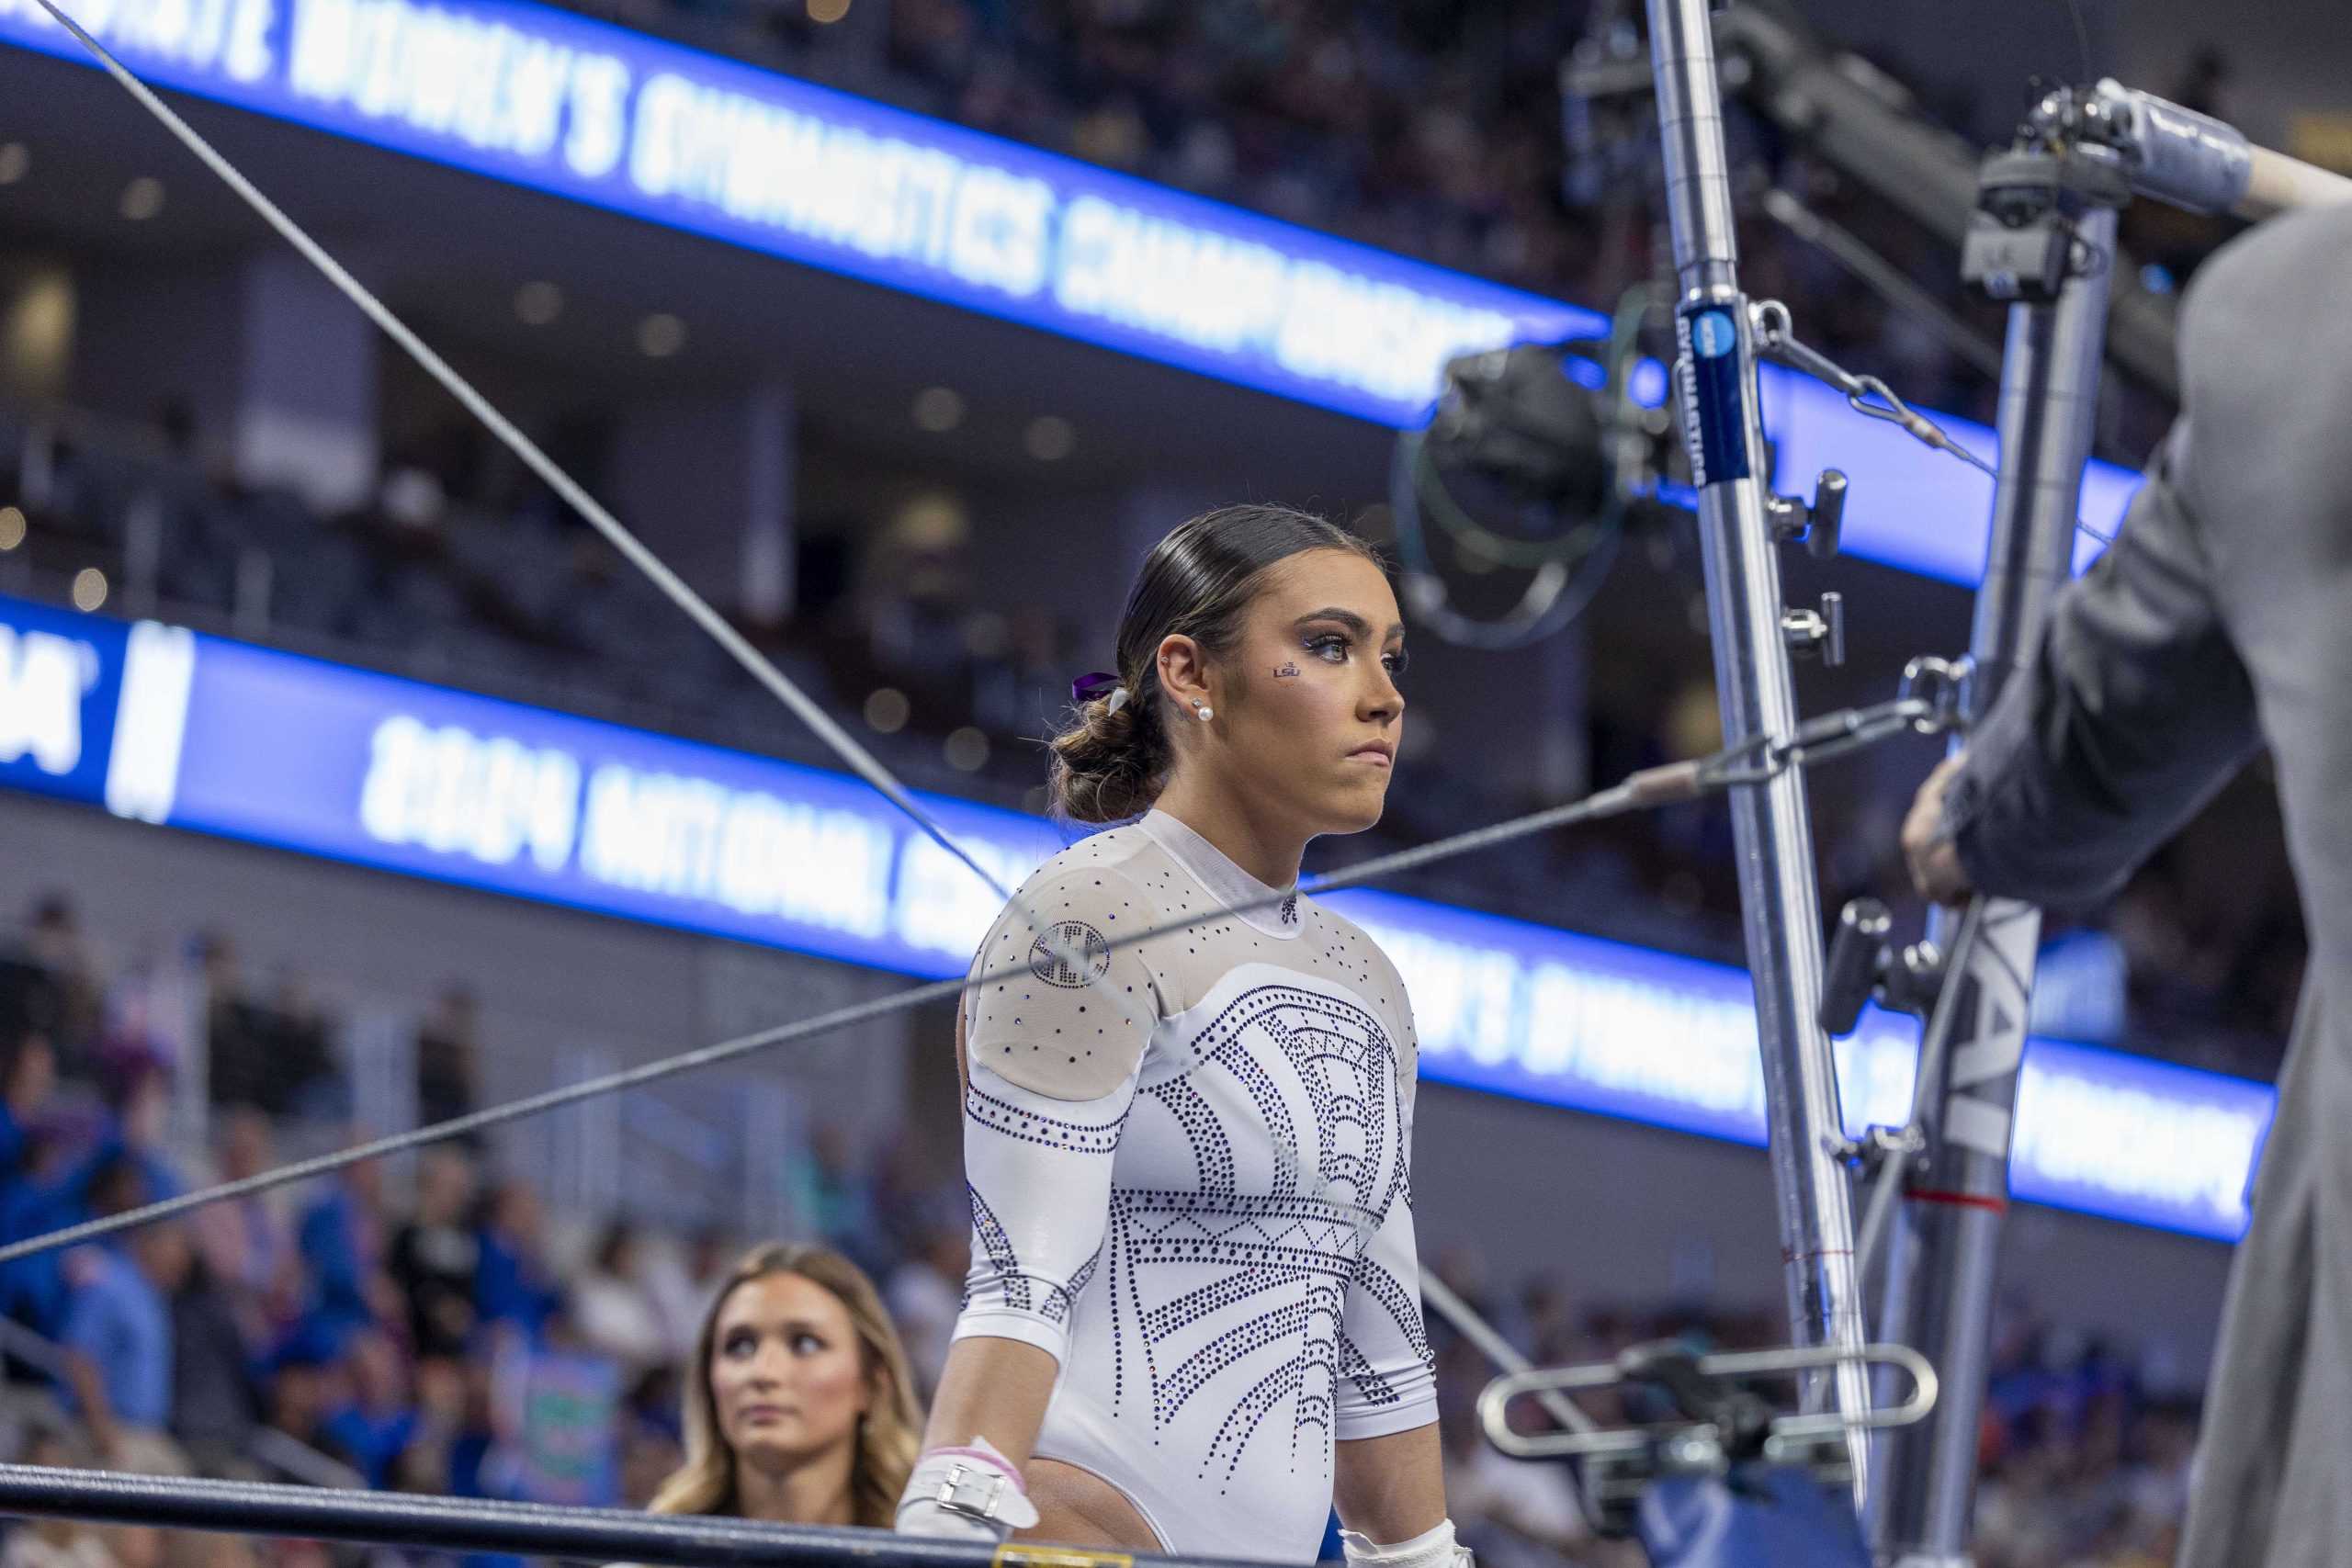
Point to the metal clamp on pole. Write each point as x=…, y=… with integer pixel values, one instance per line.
x=1727, y=1420
x=1865, y=963
x=2178, y=155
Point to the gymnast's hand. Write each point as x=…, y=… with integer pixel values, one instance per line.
x=1928, y=849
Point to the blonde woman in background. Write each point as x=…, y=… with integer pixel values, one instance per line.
x=798, y=1405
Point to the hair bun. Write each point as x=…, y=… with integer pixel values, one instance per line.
x=1107, y=766
x=1110, y=762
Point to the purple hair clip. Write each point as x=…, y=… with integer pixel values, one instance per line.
x=1099, y=683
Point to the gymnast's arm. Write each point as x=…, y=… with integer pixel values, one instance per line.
x=2132, y=713
x=991, y=1388
x=995, y=1388
x=1049, y=1066
x=1388, y=1481
x=1393, y=1488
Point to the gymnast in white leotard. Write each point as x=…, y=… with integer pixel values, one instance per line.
x=1193, y=1322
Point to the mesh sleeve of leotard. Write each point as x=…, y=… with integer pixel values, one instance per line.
x=1052, y=1053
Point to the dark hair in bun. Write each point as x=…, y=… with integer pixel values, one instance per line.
x=1198, y=582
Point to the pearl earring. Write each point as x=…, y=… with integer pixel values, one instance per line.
x=1203, y=712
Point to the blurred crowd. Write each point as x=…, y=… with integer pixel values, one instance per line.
x=431, y=1328
x=489, y=583
x=1430, y=127
x=1404, y=123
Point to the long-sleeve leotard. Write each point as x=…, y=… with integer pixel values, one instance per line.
x=1190, y=1173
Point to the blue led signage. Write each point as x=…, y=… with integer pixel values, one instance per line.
x=581, y=109
x=197, y=732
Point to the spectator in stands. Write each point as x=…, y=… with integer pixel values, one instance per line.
x=342, y=1241
x=650, y=1448
x=302, y=1056
x=831, y=1195
x=612, y=1308
x=274, y=1056
x=448, y=1056
x=136, y=1084
x=54, y=940
x=47, y=1197
x=424, y=1465
x=474, y=1467
x=119, y=1315
x=300, y=1391
x=31, y=1288
x=376, y=1419
x=436, y=1255
x=216, y=1402
x=512, y=1283
x=146, y=1546
x=28, y=1077
x=236, y=1044
x=799, y=1407
x=55, y=1543
x=247, y=1244
x=899, y=1197
x=926, y=1296
x=683, y=1284
x=1510, y=1512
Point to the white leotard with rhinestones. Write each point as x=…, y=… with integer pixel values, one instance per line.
x=1209, y=1226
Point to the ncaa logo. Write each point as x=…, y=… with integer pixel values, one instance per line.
x=1713, y=335
x=1079, y=941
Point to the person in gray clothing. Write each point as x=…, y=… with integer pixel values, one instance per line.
x=2220, y=622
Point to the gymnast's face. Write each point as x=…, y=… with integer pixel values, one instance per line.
x=787, y=1373
x=1308, y=703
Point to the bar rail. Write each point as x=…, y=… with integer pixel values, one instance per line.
x=456, y=1524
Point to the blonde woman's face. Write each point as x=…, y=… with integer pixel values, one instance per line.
x=785, y=1374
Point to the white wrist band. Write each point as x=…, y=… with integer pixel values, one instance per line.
x=1433, y=1548
x=971, y=1491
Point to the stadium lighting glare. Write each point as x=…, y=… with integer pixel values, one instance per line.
x=142, y=198
x=539, y=304
x=660, y=336
x=938, y=410
x=1049, y=438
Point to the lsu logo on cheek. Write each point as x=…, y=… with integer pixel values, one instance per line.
x=1286, y=671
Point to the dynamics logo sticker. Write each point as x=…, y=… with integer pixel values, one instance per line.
x=1715, y=395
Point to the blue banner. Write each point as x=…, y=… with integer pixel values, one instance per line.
x=61, y=683
x=600, y=114
x=202, y=733
x=435, y=783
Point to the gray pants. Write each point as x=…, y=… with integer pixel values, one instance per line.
x=2273, y=1481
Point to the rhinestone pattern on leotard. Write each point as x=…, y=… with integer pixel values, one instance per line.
x=1250, y=1294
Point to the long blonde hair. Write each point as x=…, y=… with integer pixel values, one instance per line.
x=889, y=1435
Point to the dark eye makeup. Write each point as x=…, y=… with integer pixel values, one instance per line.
x=1333, y=648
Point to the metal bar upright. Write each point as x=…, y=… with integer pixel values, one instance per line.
x=1940, y=1265
x=1773, y=841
